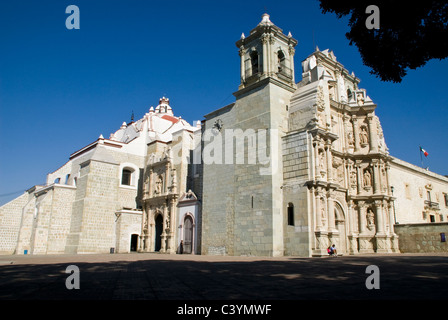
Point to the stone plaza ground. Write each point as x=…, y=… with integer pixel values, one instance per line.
x=152, y=276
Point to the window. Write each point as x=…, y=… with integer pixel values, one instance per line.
x=290, y=214
x=446, y=199
x=428, y=195
x=281, y=61
x=126, y=177
x=129, y=175
x=254, y=62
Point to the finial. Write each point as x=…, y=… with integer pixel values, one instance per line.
x=265, y=19
x=289, y=34
x=243, y=36
x=132, y=116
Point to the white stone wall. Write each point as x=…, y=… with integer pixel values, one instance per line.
x=411, y=186
x=10, y=220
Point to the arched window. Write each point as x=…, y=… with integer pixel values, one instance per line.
x=126, y=176
x=254, y=61
x=290, y=214
x=129, y=175
x=281, y=61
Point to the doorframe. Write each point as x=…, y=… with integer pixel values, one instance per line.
x=193, y=232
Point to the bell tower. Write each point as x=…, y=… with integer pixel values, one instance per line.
x=266, y=53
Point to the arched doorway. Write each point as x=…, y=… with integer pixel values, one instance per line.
x=188, y=234
x=341, y=226
x=134, y=241
x=158, y=233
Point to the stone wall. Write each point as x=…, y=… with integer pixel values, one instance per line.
x=10, y=220
x=422, y=237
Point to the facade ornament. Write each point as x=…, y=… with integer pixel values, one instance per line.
x=367, y=178
x=363, y=136
x=370, y=219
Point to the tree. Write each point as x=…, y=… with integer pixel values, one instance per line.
x=409, y=34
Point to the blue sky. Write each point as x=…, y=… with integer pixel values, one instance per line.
x=60, y=89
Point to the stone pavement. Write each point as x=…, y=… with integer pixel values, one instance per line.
x=152, y=276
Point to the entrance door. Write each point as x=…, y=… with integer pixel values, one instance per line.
x=340, y=225
x=134, y=241
x=188, y=234
x=158, y=233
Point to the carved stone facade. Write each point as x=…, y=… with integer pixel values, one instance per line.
x=348, y=184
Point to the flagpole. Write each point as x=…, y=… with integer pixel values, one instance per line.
x=421, y=158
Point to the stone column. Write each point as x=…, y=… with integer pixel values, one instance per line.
x=242, y=53
x=372, y=133
x=380, y=217
x=264, y=40
x=355, y=133
x=318, y=209
x=330, y=212
x=329, y=161
x=362, y=216
x=353, y=230
x=164, y=235
x=291, y=62
x=376, y=177
x=359, y=177
x=381, y=238
x=316, y=160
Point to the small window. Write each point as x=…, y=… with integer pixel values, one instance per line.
x=126, y=177
x=67, y=177
x=428, y=195
x=446, y=199
x=57, y=180
x=432, y=218
x=290, y=214
x=254, y=62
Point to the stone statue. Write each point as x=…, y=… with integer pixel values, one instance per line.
x=370, y=219
x=159, y=184
x=363, y=137
x=367, y=178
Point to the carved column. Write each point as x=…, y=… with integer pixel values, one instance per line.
x=372, y=133
x=362, y=216
x=264, y=40
x=376, y=177
x=355, y=133
x=353, y=229
x=316, y=160
x=163, y=236
x=330, y=213
x=381, y=238
x=242, y=53
x=380, y=217
x=329, y=161
x=318, y=215
x=359, y=177
x=291, y=62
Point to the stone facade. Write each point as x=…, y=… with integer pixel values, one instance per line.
x=287, y=169
x=94, y=203
x=330, y=178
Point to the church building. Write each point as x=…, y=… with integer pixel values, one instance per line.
x=289, y=168
x=328, y=177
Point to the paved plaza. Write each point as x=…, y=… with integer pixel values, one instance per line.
x=152, y=276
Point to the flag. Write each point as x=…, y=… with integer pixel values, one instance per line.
x=424, y=151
